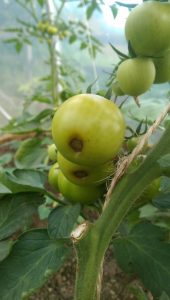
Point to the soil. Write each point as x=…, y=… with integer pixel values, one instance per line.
x=115, y=284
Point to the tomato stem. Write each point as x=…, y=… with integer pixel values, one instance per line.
x=92, y=247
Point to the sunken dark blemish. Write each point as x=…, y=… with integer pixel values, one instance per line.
x=76, y=144
x=80, y=174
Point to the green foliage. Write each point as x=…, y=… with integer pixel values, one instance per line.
x=145, y=252
x=164, y=296
x=5, y=247
x=61, y=221
x=27, y=260
x=16, y=211
x=148, y=109
x=28, y=123
x=5, y=158
x=17, y=181
x=35, y=257
x=162, y=200
x=30, y=154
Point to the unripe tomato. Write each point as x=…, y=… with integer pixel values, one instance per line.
x=85, y=175
x=53, y=176
x=52, y=30
x=162, y=66
x=117, y=90
x=149, y=193
x=42, y=26
x=76, y=193
x=136, y=75
x=52, y=152
x=148, y=28
x=88, y=129
x=134, y=141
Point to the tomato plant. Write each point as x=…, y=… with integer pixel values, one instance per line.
x=110, y=189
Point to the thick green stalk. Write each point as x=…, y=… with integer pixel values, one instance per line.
x=53, y=62
x=54, y=72
x=92, y=246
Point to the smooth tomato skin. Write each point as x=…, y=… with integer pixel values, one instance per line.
x=162, y=66
x=53, y=176
x=85, y=175
x=148, y=28
x=76, y=193
x=136, y=75
x=52, y=152
x=52, y=30
x=88, y=129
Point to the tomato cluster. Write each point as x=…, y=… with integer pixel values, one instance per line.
x=51, y=29
x=147, y=31
x=88, y=131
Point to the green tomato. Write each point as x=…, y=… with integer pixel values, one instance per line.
x=76, y=193
x=52, y=30
x=85, y=175
x=52, y=152
x=162, y=66
x=134, y=141
x=53, y=176
x=42, y=26
x=148, y=194
x=117, y=90
x=136, y=75
x=148, y=28
x=88, y=129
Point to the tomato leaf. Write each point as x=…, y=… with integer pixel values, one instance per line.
x=28, y=123
x=149, y=110
x=22, y=180
x=41, y=2
x=16, y=211
x=34, y=257
x=162, y=201
x=118, y=52
x=5, y=247
x=165, y=184
x=114, y=10
x=91, y=8
x=18, y=46
x=30, y=154
x=72, y=38
x=164, y=296
x=4, y=189
x=5, y=158
x=144, y=252
x=89, y=88
x=61, y=221
x=164, y=163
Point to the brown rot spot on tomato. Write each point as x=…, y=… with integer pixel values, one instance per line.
x=80, y=174
x=76, y=144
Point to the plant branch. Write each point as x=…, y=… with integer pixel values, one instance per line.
x=11, y=137
x=61, y=8
x=30, y=11
x=53, y=63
